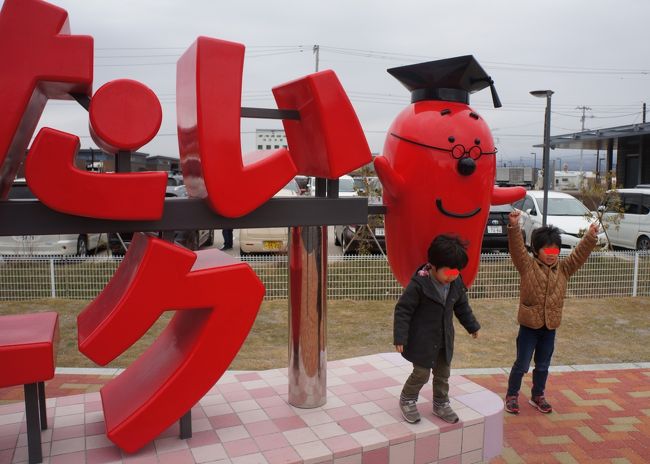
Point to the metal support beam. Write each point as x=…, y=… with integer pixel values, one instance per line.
x=32, y=416
x=41, y=405
x=31, y=217
x=308, y=307
x=269, y=113
x=609, y=162
x=185, y=424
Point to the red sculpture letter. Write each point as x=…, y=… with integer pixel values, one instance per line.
x=216, y=299
x=124, y=115
x=328, y=140
x=39, y=60
x=208, y=99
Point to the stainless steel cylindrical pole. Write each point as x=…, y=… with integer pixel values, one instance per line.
x=308, y=316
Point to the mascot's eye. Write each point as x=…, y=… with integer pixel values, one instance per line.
x=445, y=112
x=477, y=141
x=473, y=115
x=451, y=139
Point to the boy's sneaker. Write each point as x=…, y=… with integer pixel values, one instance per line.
x=444, y=412
x=512, y=404
x=410, y=411
x=540, y=403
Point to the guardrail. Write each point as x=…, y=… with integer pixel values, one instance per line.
x=366, y=277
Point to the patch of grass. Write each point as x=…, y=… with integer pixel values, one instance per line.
x=605, y=330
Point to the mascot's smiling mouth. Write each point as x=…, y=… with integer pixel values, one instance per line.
x=455, y=215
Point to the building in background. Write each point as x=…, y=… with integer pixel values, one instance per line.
x=632, y=144
x=270, y=139
x=163, y=163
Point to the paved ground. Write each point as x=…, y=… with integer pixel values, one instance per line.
x=601, y=416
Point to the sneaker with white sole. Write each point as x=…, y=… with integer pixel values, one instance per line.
x=540, y=403
x=512, y=404
x=444, y=412
x=410, y=411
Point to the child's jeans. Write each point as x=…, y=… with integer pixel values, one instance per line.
x=542, y=343
x=420, y=376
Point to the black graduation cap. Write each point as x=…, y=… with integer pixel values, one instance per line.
x=451, y=79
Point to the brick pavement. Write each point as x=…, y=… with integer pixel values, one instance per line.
x=601, y=416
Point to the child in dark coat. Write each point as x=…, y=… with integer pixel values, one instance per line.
x=424, y=329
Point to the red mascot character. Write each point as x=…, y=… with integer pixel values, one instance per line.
x=438, y=166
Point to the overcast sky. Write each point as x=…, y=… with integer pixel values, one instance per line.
x=592, y=53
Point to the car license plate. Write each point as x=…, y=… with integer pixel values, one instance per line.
x=379, y=231
x=495, y=229
x=272, y=245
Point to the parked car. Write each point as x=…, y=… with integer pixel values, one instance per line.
x=62, y=244
x=495, y=237
x=564, y=212
x=190, y=239
x=346, y=187
x=268, y=239
x=633, y=228
x=369, y=237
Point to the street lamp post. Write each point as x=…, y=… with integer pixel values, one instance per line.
x=547, y=145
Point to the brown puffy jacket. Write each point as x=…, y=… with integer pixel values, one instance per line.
x=543, y=287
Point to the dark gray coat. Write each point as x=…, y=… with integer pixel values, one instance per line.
x=423, y=322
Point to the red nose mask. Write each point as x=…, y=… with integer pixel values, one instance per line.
x=552, y=251
x=438, y=171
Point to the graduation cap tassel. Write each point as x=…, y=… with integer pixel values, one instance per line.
x=495, y=97
x=451, y=79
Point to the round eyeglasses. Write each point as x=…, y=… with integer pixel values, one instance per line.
x=458, y=151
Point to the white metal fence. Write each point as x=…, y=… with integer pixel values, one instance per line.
x=619, y=273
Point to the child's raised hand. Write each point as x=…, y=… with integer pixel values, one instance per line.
x=593, y=230
x=399, y=348
x=513, y=217
x=475, y=334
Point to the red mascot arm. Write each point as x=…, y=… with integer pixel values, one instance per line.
x=390, y=180
x=506, y=195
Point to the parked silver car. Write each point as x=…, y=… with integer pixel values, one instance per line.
x=62, y=244
x=564, y=212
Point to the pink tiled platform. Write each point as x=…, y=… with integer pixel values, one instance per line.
x=245, y=418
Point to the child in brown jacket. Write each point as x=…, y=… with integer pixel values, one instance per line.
x=544, y=279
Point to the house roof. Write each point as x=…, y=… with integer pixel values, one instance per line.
x=598, y=138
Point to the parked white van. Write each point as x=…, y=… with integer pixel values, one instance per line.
x=63, y=244
x=633, y=231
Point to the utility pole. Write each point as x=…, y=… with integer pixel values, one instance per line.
x=317, y=53
x=582, y=119
x=643, y=112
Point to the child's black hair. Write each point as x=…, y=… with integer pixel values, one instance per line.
x=545, y=236
x=448, y=251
